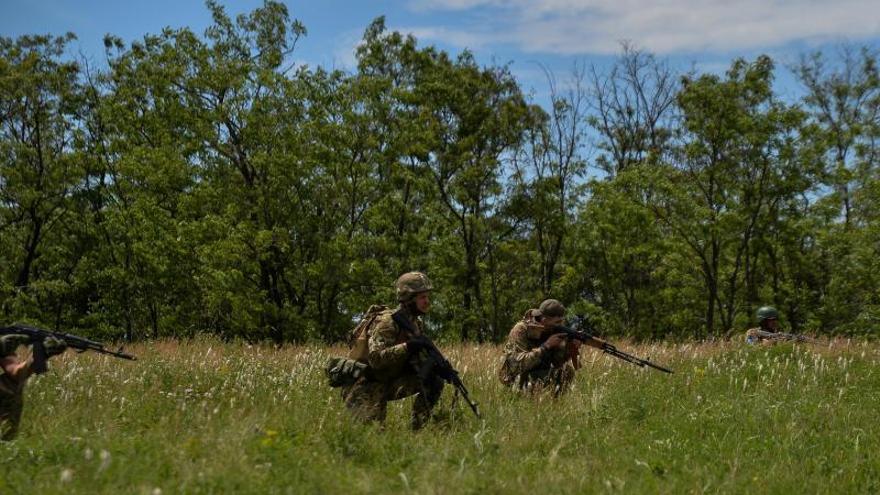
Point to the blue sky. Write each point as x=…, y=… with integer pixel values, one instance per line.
x=555, y=33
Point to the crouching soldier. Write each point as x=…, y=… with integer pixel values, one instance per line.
x=14, y=373
x=767, y=332
x=387, y=347
x=535, y=357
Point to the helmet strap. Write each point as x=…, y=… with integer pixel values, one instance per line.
x=412, y=308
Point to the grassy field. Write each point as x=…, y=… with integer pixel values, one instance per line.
x=207, y=417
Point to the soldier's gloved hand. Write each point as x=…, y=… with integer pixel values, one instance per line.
x=9, y=343
x=416, y=344
x=555, y=341
x=54, y=346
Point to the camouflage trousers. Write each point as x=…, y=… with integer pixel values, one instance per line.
x=557, y=380
x=368, y=399
x=11, y=405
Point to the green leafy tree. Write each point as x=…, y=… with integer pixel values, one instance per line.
x=476, y=117
x=40, y=103
x=546, y=188
x=736, y=156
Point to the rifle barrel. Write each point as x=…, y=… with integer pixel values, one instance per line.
x=611, y=349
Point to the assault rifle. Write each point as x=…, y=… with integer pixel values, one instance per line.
x=80, y=344
x=437, y=363
x=782, y=336
x=576, y=332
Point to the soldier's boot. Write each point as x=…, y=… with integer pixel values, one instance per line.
x=425, y=401
x=8, y=427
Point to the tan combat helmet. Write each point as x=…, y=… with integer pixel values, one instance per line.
x=410, y=284
x=552, y=308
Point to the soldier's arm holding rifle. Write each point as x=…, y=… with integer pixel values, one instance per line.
x=43, y=348
x=758, y=334
x=15, y=368
x=522, y=355
x=436, y=362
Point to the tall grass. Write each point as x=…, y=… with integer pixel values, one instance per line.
x=207, y=417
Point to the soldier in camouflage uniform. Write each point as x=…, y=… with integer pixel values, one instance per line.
x=394, y=354
x=535, y=358
x=767, y=332
x=768, y=321
x=768, y=327
x=14, y=373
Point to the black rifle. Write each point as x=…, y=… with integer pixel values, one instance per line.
x=38, y=335
x=606, y=347
x=437, y=363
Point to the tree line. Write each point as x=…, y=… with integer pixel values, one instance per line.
x=204, y=183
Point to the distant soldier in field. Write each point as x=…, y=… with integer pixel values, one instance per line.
x=767, y=332
x=14, y=373
x=392, y=351
x=536, y=358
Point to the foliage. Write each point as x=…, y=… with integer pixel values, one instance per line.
x=207, y=183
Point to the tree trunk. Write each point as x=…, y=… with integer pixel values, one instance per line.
x=31, y=254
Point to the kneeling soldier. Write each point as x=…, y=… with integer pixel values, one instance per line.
x=767, y=332
x=536, y=358
x=14, y=373
x=393, y=355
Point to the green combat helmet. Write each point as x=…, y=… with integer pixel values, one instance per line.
x=410, y=284
x=767, y=313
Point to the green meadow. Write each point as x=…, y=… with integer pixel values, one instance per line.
x=204, y=416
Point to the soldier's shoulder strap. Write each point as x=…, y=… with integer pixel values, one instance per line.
x=404, y=323
x=362, y=329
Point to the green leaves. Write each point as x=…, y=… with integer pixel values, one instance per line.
x=204, y=182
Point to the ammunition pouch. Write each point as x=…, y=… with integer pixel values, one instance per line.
x=343, y=372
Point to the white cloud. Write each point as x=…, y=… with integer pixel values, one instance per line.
x=660, y=26
x=456, y=4
x=454, y=37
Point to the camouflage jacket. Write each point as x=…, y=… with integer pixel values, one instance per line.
x=523, y=352
x=388, y=357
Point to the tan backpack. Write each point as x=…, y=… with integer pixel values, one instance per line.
x=359, y=338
